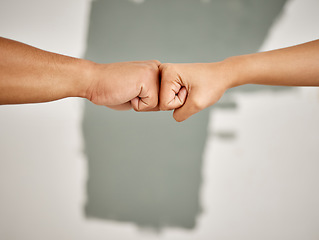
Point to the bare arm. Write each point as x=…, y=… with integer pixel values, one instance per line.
x=189, y=88
x=292, y=66
x=31, y=75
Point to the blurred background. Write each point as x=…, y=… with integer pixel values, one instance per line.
x=244, y=169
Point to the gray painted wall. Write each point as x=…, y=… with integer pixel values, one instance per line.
x=143, y=167
x=261, y=185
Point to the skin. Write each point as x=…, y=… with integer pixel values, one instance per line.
x=31, y=75
x=189, y=88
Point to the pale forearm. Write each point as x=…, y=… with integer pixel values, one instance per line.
x=30, y=75
x=189, y=88
x=292, y=66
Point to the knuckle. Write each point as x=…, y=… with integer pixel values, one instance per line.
x=150, y=71
x=169, y=66
x=167, y=73
x=164, y=104
x=153, y=103
x=155, y=61
x=163, y=107
x=165, y=66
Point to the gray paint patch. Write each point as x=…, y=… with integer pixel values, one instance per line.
x=225, y=135
x=145, y=168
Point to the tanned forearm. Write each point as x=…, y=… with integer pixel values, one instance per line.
x=31, y=75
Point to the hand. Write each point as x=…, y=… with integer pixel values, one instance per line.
x=124, y=85
x=189, y=88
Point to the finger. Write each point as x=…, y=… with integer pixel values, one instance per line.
x=121, y=107
x=193, y=105
x=142, y=104
x=135, y=103
x=179, y=99
x=147, y=100
x=172, y=93
x=155, y=109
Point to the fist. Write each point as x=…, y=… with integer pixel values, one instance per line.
x=189, y=88
x=125, y=85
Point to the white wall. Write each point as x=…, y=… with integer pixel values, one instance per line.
x=261, y=185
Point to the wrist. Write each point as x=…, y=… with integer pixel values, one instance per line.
x=83, y=78
x=240, y=70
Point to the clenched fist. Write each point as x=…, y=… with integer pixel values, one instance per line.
x=31, y=75
x=189, y=88
x=124, y=85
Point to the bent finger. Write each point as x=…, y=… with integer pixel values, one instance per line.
x=178, y=100
x=147, y=100
x=172, y=93
x=192, y=105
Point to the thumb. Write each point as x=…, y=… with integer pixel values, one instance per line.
x=192, y=105
x=172, y=92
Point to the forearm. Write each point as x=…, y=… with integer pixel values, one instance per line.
x=30, y=75
x=292, y=66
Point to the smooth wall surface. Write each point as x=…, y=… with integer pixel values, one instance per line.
x=262, y=183
x=145, y=168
